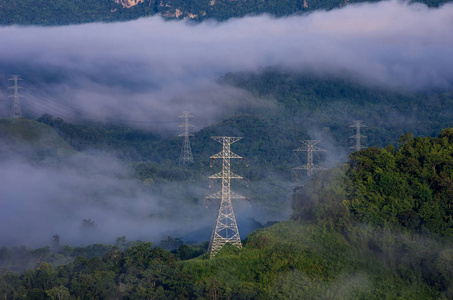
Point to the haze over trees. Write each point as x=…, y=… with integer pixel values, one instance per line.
x=349, y=236
x=64, y=12
x=96, y=205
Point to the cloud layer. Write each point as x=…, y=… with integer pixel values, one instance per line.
x=151, y=69
x=148, y=71
x=40, y=200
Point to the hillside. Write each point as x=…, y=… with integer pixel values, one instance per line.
x=306, y=107
x=64, y=12
x=350, y=236
x=31, y=139
x=409, y=188
x=379, y=226
x=290, y=260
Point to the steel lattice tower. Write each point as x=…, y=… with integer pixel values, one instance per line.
x=225, y=229
x=357, y=125
x=16, y=111
x=309, y=147
x=186, y=151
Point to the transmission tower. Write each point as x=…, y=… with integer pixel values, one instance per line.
x=309, y=147
x=16, y=112
x=186, y=152
x=225, y=229
x=357, y=125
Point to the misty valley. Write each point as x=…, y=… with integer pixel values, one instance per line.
x=226, y=150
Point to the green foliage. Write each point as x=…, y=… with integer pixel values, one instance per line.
x=63, y=12
x=290, y=260
x=31, y=139
x=409, y=188
x=329, y=103
x=378, y=227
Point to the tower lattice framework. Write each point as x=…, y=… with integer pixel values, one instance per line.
x=309, y=147
x=16, y=111
x=357, y=146
x=186, y=151
x=225, y=229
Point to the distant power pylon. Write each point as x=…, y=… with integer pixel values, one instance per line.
x=357, y=146
x=309, y=147
x=186, y=152
x=225, y=229
x=16, y=111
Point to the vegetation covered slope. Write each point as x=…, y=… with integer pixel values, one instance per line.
x=329, y=104
x=409, y=188
x=63, y=12
x=355, y=234
x=306, y=107
x=31, y=139
x=290, y=260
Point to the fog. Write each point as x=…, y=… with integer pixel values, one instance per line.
x=145, y=72
x=149, y=70
x=39, y=201
x=93, y=197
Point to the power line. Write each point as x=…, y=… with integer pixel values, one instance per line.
x=62, y=108
x=48, y=105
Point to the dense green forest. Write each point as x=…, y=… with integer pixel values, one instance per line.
x=408, y=188
x=379, y=225
x=304, y=107
x=350, y=236
x=64, y=12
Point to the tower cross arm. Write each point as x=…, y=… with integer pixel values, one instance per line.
x=228, y=139
x=234, y=195
x=217, y=195
x=226, y=155
x=358, y=123
x=355, y=136
x=313, y=166
x=222, y=175
x=311, y=148
x=184, y=134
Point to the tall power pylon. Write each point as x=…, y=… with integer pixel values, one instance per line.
x=225, y=229
x=16, y=111
x=186, y=152
x=357, y=125
x=309, y=147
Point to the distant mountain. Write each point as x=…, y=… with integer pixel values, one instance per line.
x=63, y=12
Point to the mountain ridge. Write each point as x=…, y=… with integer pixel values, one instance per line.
x=65, y=12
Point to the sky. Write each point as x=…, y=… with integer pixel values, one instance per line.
x=146, y=72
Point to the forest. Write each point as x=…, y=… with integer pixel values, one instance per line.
x=96, y=203
x=64, y=12
x=349, y=236
x=376, y=224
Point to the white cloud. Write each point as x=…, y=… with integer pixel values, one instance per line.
x=137, y=69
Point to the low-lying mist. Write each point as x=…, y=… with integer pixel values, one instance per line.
x=145, y=72
x=149, y=70
x=40, y=200
x=89, y=198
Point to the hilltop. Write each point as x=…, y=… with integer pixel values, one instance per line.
x=31, y=139
x=64, y=12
